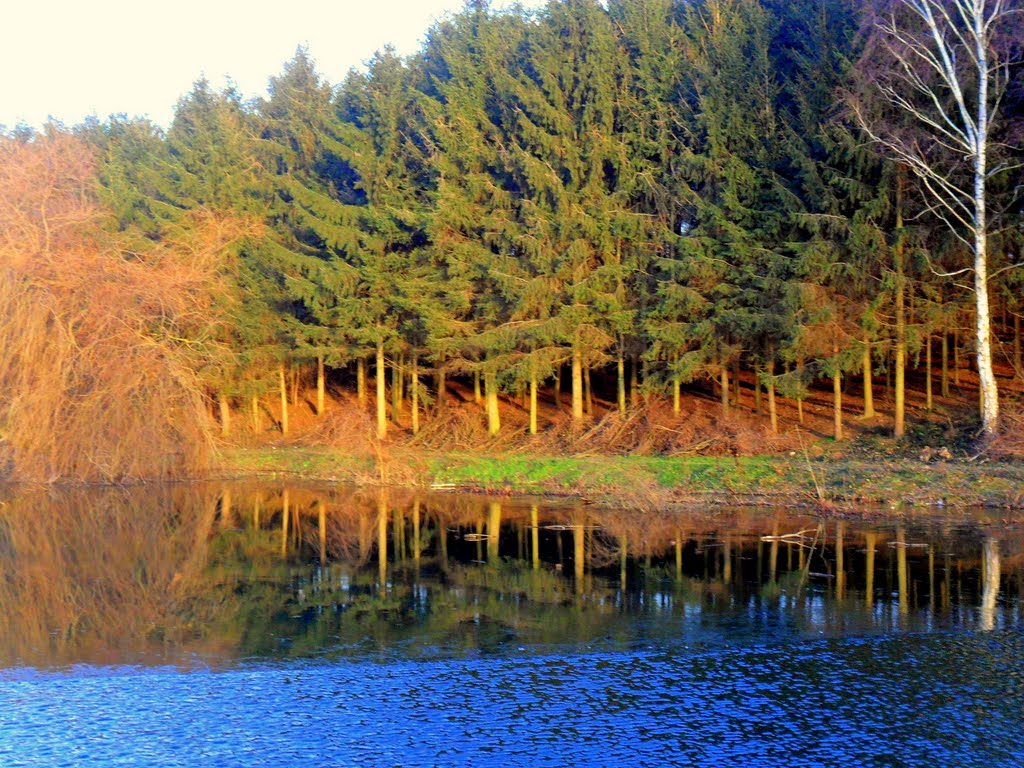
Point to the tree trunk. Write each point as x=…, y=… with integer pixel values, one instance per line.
x=899, y=427
x=321, y=386
x=577, y=385
x=676, y=387
x=361, y=381
x=556, y=386
x=533, y=402
x=382, y=413
x=928, y=373
x=414, y=385
x=956, y=356
x=442, y=390
x=837, y=397
x=634, y=383
x=588, y=395
x=773, y=414
x=757, y=391
x=986, y=376
x=283, y=387
x=255, y=413
x=800, y=400
x=294, y=372
x=1016, y=347
x=725, y=390
x=869, y=394
x=396, y=388
x=491, y=394
x=736, y=383
x=621, y=371
x=477, y=394
x=945, y=363
x=225, y=415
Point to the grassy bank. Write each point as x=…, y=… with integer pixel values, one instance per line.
x=645, y=481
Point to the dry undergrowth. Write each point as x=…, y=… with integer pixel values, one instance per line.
x=101, y=349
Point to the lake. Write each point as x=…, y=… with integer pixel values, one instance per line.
x=273, y=625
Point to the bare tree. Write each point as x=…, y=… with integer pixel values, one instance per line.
x=942, y=68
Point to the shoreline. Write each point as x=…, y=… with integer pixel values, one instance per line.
x=829, y=483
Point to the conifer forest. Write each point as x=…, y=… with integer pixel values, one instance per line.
x=584, y=210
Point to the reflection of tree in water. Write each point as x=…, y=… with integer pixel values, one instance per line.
x=246, y=570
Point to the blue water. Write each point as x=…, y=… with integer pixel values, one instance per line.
x=167, y=629
x=914, y=700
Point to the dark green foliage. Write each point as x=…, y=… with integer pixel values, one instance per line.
x=673, y=181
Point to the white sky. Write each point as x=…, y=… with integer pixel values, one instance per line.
x=73, y=58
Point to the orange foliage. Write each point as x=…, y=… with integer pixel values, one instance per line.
x=99, y=347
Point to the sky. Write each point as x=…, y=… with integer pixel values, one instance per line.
x=69, y=59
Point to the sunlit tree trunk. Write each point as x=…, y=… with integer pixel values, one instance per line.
x=414, y=386
x=620, y=369
x=396, y=388
x=478, y=396
x=577, y=384
x=254, y=403
x=944, y=386
x=634, y=383
x=491, y=392
x=533, y=402
x=283, y=388
x=588, y=395
x=956, y=356
x=800, y=399
x=382, y=415
x=1016, y=347
x=361, y=381
x=725, y=389
x=869, y=393
x=837, y=397
x=773, y=413
x=321, y=386
x=928, y=372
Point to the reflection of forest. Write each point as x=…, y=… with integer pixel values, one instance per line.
x=231, y=571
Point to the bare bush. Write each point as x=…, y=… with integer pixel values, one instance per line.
x=101, y=349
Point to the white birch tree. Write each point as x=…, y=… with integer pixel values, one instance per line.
x=941, y=69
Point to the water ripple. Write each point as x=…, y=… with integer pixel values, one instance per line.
x=939, y=699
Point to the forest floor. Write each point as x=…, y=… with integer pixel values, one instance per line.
x=652, y=457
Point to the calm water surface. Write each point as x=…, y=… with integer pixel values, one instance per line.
x=278, y=626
